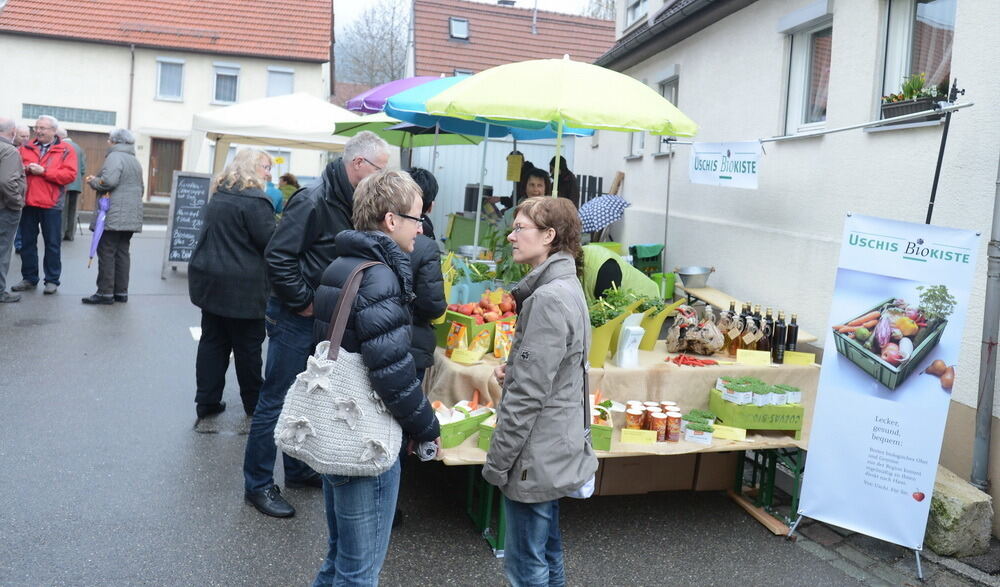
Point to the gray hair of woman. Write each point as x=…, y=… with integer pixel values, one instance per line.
x=242, y=172
x=121, y=136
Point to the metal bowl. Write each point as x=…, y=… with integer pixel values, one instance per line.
x=694, y=276
x=471, y=251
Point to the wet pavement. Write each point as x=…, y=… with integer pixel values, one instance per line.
x=106, y=481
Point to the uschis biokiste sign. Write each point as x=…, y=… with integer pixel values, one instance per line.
x=725, y=164
x=898, y=310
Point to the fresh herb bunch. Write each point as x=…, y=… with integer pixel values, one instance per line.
x=936, y=302
x=619, y=298
x=479, y=272
x=507, y=270
x=707, y=415
x=657, y=304
x=600, y=314
x=701, y=427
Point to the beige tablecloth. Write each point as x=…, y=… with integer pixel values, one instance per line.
x=654, y=379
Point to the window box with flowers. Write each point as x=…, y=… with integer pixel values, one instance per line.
x=915, y=96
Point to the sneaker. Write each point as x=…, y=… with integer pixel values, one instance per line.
x=121, y=298
x=6, y=298
x=270, y=503
x=24, y=285
x=50, y=288
x=99, y=299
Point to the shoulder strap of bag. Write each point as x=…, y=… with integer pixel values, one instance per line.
x=583, y=365
x=338, y=321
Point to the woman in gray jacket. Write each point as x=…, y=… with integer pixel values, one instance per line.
x=120, y=179
x=541, y=449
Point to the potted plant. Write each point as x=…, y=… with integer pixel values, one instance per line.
x=914, y=96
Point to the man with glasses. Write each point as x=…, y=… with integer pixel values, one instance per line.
x=300, y=250
x=50, y=165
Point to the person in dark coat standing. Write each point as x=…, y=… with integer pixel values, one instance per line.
x=72, y=190
x=302, y=247
x=120, y=180
x=11, y=201
x=428, y=283
x=227, y=279
x=569, y=186
x=359, y=510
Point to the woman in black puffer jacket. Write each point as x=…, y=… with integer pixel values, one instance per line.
x=359, y=510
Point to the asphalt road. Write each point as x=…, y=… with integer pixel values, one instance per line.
x=105, y=481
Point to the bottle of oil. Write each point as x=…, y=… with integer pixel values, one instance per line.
x=726, y=323
x=793, y=334
x=766, y=331
x=736, y=333
x=757, y=323
x=780, y=333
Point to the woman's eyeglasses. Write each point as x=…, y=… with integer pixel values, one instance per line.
x=408, y=217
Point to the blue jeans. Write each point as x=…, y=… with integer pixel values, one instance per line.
x=359, y=513
x=50, y=220
x=532, y=552
x=289, y=346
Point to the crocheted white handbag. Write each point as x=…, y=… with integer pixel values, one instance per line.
x=332, y=419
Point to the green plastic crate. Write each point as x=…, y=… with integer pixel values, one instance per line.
x=872, y=364
x=471, y=330
x=751, y=417
x=455, y=433
x=647, y=264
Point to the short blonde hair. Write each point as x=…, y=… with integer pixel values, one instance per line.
x=381, y=193
x=241, y=173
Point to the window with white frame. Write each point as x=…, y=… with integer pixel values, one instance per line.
x=809, y=78
x=280, y=81
x=918, y=41
x=668, y=89
x=634, y=11
x=227, y=81
x=636, y=142
x=458, y=28
x=169, y=79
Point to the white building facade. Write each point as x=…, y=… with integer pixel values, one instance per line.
x=745, y=70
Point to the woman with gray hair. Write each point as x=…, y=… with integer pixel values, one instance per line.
x=120, y=180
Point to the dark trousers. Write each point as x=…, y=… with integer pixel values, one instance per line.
x=113, y=262
x=50, y=221
x=9, y=221
x=220, y=336
x=289, y=346
x=69, y=214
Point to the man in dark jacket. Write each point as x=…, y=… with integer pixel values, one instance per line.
x=300, y=250
x=72, y=190
x=428, y=283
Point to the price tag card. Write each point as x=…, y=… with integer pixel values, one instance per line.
x=729, y=433
x=758, y=358
x=797, y=358
x=632, y=436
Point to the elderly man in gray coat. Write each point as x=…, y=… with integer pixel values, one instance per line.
x=12, y=185
x=72, y=190
x=120, y=179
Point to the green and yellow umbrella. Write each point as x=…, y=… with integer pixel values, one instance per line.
x=402, y=135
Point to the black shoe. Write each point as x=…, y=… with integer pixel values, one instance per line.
x=121, y=298
x=270, y=503
x=314, y=482
x=206, y=410
x=98, y=299
x=397, y=520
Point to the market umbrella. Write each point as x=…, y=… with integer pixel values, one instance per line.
x=373, y=100
x=602, y=211
x=560, y=93
x=102, y=213
x=404, y=134
x=556, y=93
x=411, y=106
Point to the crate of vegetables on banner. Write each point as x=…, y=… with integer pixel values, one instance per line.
x=469, y=321
x=891, y=339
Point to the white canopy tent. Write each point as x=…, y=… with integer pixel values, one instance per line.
x=299, y=121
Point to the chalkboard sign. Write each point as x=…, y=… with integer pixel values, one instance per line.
x=188, y=198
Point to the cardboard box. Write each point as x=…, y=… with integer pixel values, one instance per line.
x=635, y=475
x=716, y=471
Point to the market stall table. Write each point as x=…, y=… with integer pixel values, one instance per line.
x=653, y=379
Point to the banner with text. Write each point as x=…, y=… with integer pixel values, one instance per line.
x=726, y=164
x=889, y=363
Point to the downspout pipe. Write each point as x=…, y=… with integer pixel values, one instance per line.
x=131, y=82
x=988, y=357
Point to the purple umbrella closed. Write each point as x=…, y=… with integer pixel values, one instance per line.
x=373, y=100
x=102, y=213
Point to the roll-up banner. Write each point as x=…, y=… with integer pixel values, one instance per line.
x=889, y=365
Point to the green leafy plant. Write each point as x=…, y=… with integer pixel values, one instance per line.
x=936, y=302
x=692, y=417
x=701, y=427
x=705, y=414
x=507, y=271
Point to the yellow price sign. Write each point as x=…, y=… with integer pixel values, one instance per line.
x=797, y=358
x=758, y=358
x=633, y=436
x=729, y=433
x=279, y=160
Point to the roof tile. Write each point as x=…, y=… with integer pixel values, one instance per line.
x=235, y=27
